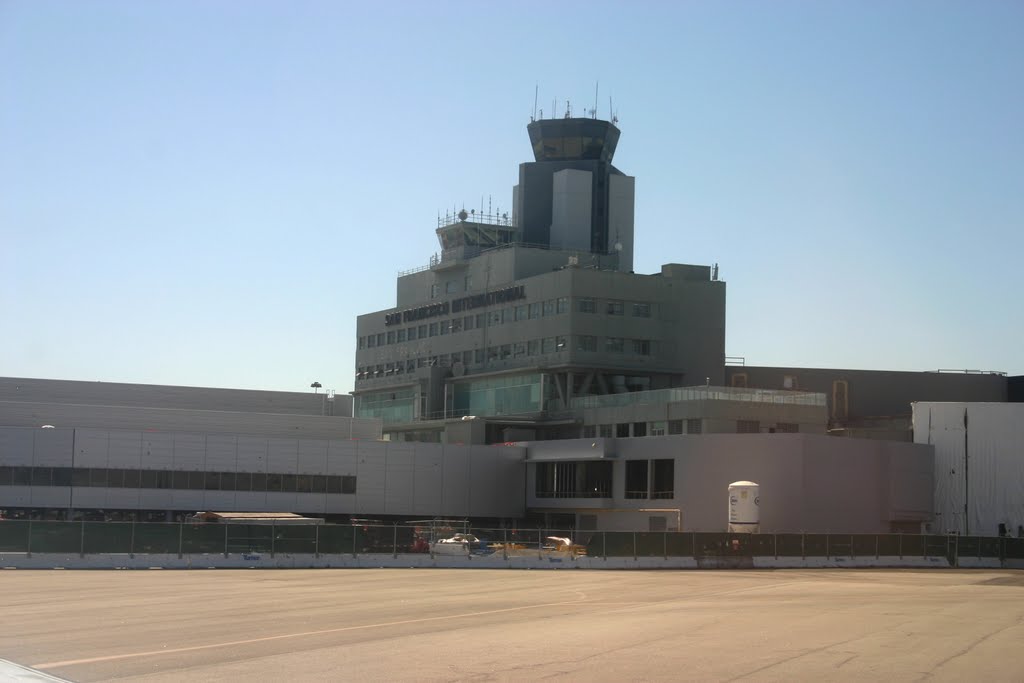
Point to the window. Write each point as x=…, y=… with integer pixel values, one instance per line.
x=520, y=312
x=42, y=476
x=549, y=307
x=789, y=382
x=480, y=321
x=547, y=345
x=748, y=426
x=622, y=430
x=433, y=329
x=532, y=347
x=787, y=428
x=641, y=310
x=412, y=334
x=467, y=283
x=534, y=311
x=614, y=308
x=467, y=322
x=401, y=335
x=586, y=306
x=410, y=365
x=658, y=428
x=675, y=426
x=433, y=291
x=562, y=305
x=391, y=337
x=639, y=429
x=641, y=347
x=243, y=481
x=604, y=431
x=519, y=349
x=259, y=481
x=614, y=345
x=561, y=343
x=693, y=426
x=380, y=339
x=370, y=341
x=451, y=287
x=495, y=318
x=589, y=431
x=362, y=342
x=739, y=380
x=636, y=479
x=456, y=325
x=348, y=484
x=586, y=343
x=505, y=351
x=478, y=356
x=663, y=478
x=467, y=357
x=492, y=353
x=445, y=325
x=421, y=331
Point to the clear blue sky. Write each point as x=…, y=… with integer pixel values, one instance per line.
x=208, y=193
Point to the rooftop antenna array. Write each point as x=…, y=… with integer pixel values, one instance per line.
x=536, y=90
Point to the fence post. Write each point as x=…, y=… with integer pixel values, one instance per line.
x=394, y=543
x=540, y=543
x=876, y=546
x=226, y=540
x=316, y=540
x=604, y=545
x=803, y=545
x=131, y=543
x=28, y=549
x=181, y=526
x=775, y=544
x=634, y=546
x=979, y=547
x=828, y=549
x=504, y=543
x=273, y=538
x=956, y=551
x=81, y=540
x=900, y=537
x=665, y=543
x=356, y=529
x=693, y=544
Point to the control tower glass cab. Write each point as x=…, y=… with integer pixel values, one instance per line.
x=573, y=139
x=570, y=197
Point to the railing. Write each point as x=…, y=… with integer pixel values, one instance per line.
x=701, y=393
x=131, y=538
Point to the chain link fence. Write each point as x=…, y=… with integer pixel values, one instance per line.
x=89, y=538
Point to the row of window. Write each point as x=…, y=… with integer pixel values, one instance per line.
x=524, y=349
x=623, y=430
x=168, y=479
x=501, y=316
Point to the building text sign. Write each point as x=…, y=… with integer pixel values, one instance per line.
x=466, y=303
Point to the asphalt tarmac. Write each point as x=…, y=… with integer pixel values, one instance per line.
x=508, y=625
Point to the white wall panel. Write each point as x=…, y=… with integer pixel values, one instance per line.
x=15, y=496
x=370, y=483
x=122, y=499
x=91, y=447
x=124, y=450
x=189, y=452
x=399, y=479
x=51, y=447
x=429, y=475
x=221, y=453
x=252, y=454
x=219, y=501
x=16, y=445
x=311, y=503
x=188, y=500
x=44, y=496
x=282, y=455
x=342, y=457
x=312, y=456
x=251, y=501
x=280, y=502
x=455, y=493
x=157, y=450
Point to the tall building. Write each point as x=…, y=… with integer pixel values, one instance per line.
x=517, y=316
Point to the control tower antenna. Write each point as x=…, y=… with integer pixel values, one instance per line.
x=536, y=89
x=593, y=112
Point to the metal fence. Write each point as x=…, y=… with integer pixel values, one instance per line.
x=85, y=538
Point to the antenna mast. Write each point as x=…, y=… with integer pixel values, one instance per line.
x=536, y=89
x=596, y=85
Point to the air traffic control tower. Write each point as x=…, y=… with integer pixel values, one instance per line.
x=517, y=316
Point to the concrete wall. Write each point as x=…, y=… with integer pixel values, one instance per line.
x=716, y=416
x=27, y=414
x=878, y=393
x=29, y=390
x=808, y=483
x=410, y=479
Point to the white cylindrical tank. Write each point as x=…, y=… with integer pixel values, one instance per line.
x=744, y=507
